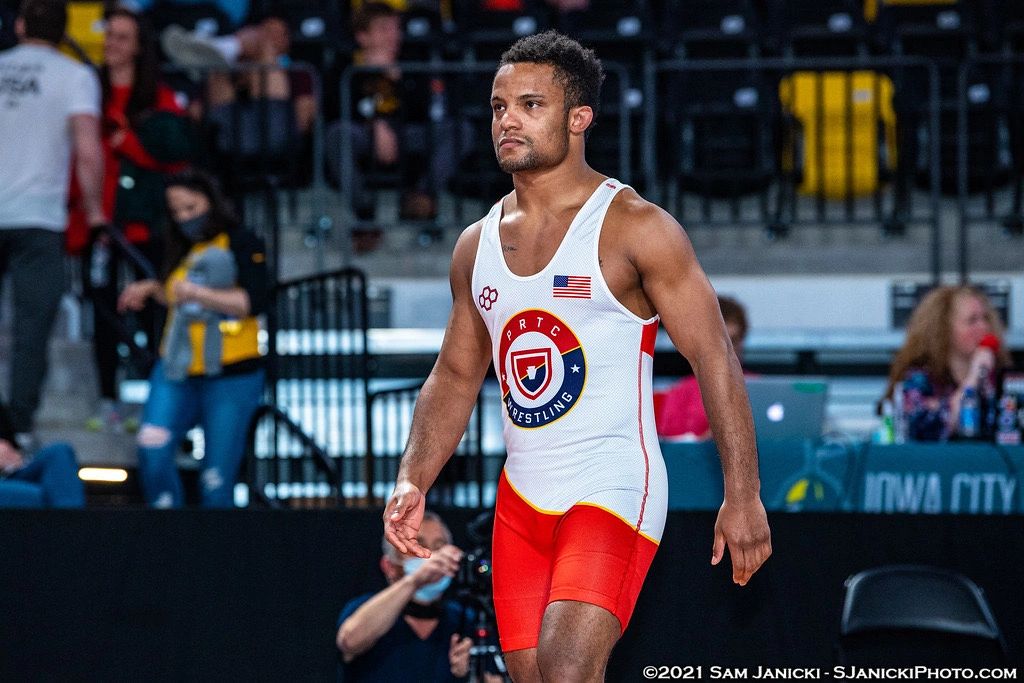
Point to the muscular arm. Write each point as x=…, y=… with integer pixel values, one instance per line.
x=85, y=135
x=444, y=404
x=676, y=285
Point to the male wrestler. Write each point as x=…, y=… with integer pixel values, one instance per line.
x=562, y=285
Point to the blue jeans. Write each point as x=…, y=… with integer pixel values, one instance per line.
x=223, y=406
x=49, y=480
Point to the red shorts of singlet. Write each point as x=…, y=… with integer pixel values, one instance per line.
x=587, y=554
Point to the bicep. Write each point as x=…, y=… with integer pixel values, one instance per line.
x=680, y=291
x=466, y=349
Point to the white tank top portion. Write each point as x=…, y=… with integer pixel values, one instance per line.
x=575, y=368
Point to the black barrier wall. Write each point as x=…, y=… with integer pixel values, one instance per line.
x=254, y=595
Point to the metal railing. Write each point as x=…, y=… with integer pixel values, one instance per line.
x=464, y=479
x=285, y=466
x=318, y=372
x=989, y=145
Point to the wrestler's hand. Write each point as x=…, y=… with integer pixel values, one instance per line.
x=402, y=517
x=458, y=655
x=744, y=528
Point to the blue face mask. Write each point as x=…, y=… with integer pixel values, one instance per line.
x=431, y=592
x=194, y=229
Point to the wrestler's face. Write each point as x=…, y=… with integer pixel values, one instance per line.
x=530, y=123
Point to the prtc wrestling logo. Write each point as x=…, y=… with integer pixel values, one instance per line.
x=543, y=368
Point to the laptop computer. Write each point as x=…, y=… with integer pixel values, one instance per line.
x=787, y=408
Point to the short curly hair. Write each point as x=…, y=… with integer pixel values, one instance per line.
x=577, y=69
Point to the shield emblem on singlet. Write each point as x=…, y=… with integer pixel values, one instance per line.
x=532, y=371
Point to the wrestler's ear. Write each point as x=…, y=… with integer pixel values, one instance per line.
x=580, y=119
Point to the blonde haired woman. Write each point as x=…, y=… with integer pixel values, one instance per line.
x=954, y=340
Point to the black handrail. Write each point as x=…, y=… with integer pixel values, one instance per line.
x=324, y=463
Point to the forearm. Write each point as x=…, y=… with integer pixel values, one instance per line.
x=232, y=302
x=728, y=408
x=89, y=171
x=442, y=412
x=374, y=618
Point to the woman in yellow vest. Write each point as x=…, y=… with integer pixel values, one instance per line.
x=210, y=370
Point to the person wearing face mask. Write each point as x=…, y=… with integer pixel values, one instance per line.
x=219, y=393
x=953, y=342
x=408, y=631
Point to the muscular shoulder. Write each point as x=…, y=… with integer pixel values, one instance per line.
x=464, y=255
x=635, y=225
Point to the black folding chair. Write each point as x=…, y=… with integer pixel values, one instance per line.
x=909, y=615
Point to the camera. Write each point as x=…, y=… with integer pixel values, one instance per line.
x=473, y=579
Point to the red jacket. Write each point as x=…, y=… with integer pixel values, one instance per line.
x=115, y=119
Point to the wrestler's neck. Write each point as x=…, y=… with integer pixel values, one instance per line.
x=540, y=190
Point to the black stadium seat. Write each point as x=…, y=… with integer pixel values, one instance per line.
x=824, y=28
x=912, y=615
x=486, y=33
x=709, y=29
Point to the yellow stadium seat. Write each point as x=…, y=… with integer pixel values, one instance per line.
x=86, y=27
x=858, y=102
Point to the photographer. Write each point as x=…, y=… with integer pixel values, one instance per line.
x=408, y=627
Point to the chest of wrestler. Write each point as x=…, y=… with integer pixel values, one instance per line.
x=574, y=379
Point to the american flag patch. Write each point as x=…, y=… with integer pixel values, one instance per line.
x=571, y=287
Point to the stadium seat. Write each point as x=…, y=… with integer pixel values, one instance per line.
x=709, y=29
x=912, y=615
x=609, y=25
x=486, y=33
x=86, y=28
x=825, y=28
x=721, y=126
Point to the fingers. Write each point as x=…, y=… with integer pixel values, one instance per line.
x=718, y=547
x=747, y=558
x=740, y=570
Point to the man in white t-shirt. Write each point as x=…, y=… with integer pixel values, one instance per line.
x=49, y=114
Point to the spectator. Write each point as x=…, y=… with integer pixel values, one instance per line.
x=210, y=371
x=397, y=123
x=49, y=105
x=47, y=478
x=941, y=356
x=408, y=630
x=680, y=411
x=145, y=135
x=261, y=112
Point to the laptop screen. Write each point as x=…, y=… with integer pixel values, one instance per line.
x=788, y=407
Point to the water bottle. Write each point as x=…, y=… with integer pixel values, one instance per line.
x=1007, y=428
x=884, y=435
x=970, y=414
x=99, y=275
x=899, y=431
